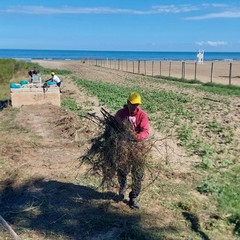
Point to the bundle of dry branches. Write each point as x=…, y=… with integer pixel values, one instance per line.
x=115, y=147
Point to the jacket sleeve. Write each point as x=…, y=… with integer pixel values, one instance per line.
x=143, y=128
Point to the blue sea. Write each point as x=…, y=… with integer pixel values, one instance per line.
x=114, y=55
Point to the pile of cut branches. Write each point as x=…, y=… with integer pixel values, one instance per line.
x=115, y=147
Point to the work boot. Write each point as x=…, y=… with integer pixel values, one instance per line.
x=120, y=197
x=133, y=203
x=121, y=194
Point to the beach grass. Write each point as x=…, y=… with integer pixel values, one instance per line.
x=216, y=88
x=9, y=68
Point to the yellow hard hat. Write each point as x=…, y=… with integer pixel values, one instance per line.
x=134, y=98
x=52, y=73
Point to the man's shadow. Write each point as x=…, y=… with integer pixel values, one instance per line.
x=64, y=209
x=53, y=206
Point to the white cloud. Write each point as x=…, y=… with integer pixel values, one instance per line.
x=68, y=10
x=214, y=10
x=174, y=8
x=233, y=14
x=215, y=5
x=212, y=43
x=167, y=9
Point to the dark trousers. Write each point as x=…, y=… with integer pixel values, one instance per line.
x=137, y=177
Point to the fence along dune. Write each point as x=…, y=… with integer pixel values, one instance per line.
x=220, y=72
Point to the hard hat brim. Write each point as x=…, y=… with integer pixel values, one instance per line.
x=135, y=101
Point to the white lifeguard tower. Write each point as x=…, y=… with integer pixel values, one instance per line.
x=200, y=56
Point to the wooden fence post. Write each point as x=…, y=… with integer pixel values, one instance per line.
x=152, y=67
x=230, y=74
x=133, y=67
x=169, y=70
x=183, y=70
x=138, y=66
x=195, y=71
x=145, y=71
x=160, y=68
x=211, y=80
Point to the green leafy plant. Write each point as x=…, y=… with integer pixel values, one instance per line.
x=184, y=134
x=208, y=187
x=70, y=104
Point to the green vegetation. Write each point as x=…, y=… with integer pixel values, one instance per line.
x=229, y=196
x=4, y=92
x=229, y=90
x=71, y=104
x=182, y=80
x=113, y=100
x=8, y=69
x=177, y=114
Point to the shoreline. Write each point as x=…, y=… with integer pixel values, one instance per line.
x=28, y=54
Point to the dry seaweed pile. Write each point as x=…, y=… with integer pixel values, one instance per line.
x=115, y=147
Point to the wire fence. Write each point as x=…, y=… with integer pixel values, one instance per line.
x=221, y=72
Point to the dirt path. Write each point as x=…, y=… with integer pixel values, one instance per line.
x=56, y=154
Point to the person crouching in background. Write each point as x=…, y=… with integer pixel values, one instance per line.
x=55, y=79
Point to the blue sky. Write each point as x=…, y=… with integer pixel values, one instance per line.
x=137, y=25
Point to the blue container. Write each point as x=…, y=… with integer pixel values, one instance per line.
x=15, y=85
x=24, y=82
x=51, y=83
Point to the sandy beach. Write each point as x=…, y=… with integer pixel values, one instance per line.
x=223, y=72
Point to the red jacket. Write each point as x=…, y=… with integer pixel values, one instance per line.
x=139, y=121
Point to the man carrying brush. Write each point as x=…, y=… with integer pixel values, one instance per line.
x=134, y=150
